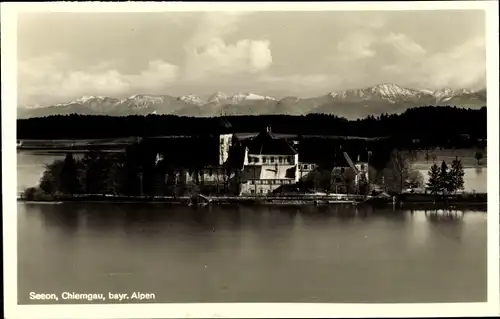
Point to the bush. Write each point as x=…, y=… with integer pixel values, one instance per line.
x=29, y=193
x=35, y=194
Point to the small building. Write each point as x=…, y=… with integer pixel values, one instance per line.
x=269, y=163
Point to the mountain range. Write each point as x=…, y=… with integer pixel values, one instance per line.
x=352, y=104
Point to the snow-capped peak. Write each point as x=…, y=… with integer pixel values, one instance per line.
x=88, y=98
x=249, y=96
x=238, y=97
x=447, y=93
x=36, y=106
x=441, y=93
x=389, y=90
x=192, y=99
x=142, y=101
x=427, y=91
x=217, y=97
x=84, y=100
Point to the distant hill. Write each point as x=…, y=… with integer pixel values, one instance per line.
x=351, y=104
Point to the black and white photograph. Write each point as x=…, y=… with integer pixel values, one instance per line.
x=216, y=155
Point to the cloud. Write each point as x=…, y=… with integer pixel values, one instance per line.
x=158, y=74
x=243, y=51
x=461, y=66
x=214, y=25
x=45, y=79
x=245, y=56
x=208, y=55
x=404, y=45
x=355, y=46
x=382, y=56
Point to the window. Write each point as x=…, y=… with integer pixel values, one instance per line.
x=264, y=160
x=305, y=166
x=210, y=172
x=256, y=160
x=289, y=160
x=280, y=160
x=251, y=182
x=262, y=191
x=252, y=191
x=264, y=182
x=272, y=159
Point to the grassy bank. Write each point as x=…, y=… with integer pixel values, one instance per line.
x=424, y=159
x=74, y=144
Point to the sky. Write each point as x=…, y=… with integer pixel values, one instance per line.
x=62, y=56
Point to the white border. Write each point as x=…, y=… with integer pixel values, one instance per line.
x=237, y=310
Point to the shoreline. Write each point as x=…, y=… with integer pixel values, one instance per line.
x=406, y=200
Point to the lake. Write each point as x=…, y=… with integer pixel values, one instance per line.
x=258, y=254
x=248, y=254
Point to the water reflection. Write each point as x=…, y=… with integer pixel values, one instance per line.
x=444, y=216
x=273, y=254
x=60, y=217
x=103, y=217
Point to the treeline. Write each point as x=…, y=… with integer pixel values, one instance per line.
x=443, y=180
x=130, y=173
x=434, y=125
x=95, y=173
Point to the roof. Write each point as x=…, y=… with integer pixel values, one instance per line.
x=269, y=172
x=266, y=143
x=245, y=136
x=236, y=157
x=249, y=135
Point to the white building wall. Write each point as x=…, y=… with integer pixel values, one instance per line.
x=225, y=141
x=258, y=159
x=261, y=188
x=263, y=174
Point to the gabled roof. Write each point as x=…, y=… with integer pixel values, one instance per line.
x=266, y=143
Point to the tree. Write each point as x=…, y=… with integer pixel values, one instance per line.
x=415, y=178
x=69, y=179
x=478, y=156
x=96, y=168
x=50, y=180
x=374, y=175
x=433, y=183
x=123, y=177
x=456, y=175
x=363, y=184
x=444, y=178
x=396, y=172
x=427, y=156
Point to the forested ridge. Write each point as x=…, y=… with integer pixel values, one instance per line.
x=434, y=124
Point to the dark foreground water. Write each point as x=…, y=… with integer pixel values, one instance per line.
x=251, y=254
